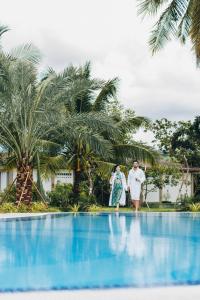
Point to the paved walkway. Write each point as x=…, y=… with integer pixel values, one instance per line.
x=171, y=293
x=20, y=215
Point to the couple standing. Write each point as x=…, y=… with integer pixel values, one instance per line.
x=118, y=186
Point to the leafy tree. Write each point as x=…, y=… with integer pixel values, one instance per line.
x=163, y=131
x=158, y=177
x=180, y=141
x=186, y=142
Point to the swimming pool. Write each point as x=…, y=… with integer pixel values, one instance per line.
x=70, y=251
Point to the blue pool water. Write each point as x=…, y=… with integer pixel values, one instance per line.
x=103, y=250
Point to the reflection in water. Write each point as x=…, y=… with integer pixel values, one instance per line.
x=99, y=250
x=122, y=239
x=118, y=233
x=135, y=242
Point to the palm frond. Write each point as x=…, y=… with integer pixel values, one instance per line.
x=108, y=90
x=166, y=27
x=104, y=167
x=95, y=121
x=97, y=144
x=150, y=7
x=8, y=161
x=26, y=52
x=195, y=29
x=136, y=151
x=86, y=70
x=50, y=164
x=3, y=29
x=185, y=24
x=132, y=123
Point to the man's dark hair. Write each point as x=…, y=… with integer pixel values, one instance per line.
x=136, y=161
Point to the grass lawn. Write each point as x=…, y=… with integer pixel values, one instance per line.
x=143, y=209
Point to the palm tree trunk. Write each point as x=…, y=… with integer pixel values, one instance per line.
x=24, y=183
x=160, y=196
x=77, y=180
x=91, y=186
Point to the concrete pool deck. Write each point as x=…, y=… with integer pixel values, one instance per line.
x=20, y=215
x=160, y=293
x=169, y=293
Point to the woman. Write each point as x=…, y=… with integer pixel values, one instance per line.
x=118, y=187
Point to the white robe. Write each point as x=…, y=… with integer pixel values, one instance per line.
x=135, y=180
x=122, y=200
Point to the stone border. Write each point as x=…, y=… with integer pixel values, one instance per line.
x=174, y=293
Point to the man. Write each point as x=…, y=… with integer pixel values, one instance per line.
x=135, y=179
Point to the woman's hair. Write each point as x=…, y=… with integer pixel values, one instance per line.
x=115, y=168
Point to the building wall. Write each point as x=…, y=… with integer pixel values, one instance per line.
x=3, y=178
x=63, y=176
x=171, y=193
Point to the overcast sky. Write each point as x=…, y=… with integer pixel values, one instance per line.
x=111, y=35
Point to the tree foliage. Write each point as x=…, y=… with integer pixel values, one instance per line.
x=179, y=140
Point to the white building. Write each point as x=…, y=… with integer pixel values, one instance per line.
x=169, y=193
x=172, y=193
x=62, y=176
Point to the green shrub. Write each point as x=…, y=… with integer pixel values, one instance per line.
x=94, y=208
x=74, y=208
x=194, y=207
x=84, y=187
x=23, y=208
x=85, y=201
x=183, y=202
x=39, y=207
x=61, y=196
x=8, y=208
x=9, y=194
x=151, y=204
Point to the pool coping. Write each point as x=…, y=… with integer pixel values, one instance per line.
x=39, y=214
x=175, y=293
x=31, y=216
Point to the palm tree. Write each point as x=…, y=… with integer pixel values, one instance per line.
x=178, y=18
x=97, y=143
x=82, y=97
x=25, y=119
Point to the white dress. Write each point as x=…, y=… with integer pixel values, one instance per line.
x=135, y=180
x=122, y=200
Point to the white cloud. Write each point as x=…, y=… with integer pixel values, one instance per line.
x=112, y=36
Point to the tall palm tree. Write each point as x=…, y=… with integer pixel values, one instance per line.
x=96, y=145
x=178, y=18
x=25, y=118
x=82, y=97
